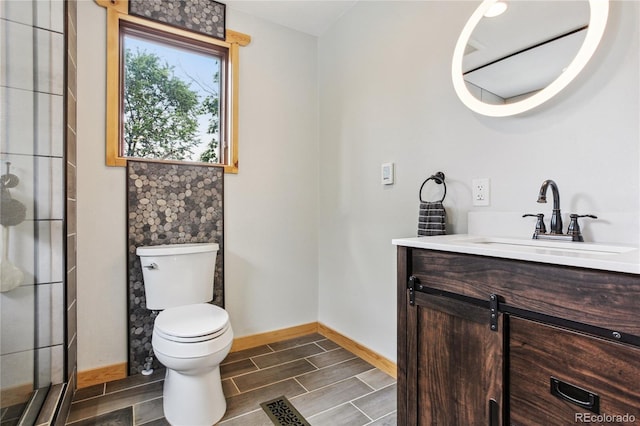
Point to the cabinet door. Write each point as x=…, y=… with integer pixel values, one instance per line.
x=454, y=363
x=561, y=377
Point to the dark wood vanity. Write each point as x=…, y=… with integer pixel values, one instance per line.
x=494, y=341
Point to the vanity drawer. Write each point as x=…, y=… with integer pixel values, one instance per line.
x=544, y=360
x=608, y=300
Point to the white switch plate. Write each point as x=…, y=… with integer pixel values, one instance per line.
x=387, y=172
x=481, y=191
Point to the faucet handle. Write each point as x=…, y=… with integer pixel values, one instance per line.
x=573, y=215
x=574, y=227
x=540, y=228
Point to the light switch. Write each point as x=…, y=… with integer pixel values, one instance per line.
x=387, y=173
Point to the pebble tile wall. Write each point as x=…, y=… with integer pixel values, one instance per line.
x=203, y=16
x=168, y=204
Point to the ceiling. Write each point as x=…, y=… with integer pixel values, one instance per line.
x=307, y=16
x=526, y=23
x=526, y=48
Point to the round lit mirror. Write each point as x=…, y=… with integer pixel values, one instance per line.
x=514, y=55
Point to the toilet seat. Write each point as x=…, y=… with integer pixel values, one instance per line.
x=192, y=323
x=204, y=348
x=196, y=339
x=192, y=331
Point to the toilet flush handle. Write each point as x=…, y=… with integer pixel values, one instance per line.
x=152, y=265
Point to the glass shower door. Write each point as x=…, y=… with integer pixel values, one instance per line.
x=32, y=196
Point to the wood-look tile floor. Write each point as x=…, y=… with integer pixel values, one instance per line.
x=326, y=383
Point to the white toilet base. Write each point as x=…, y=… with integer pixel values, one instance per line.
x=193, y=400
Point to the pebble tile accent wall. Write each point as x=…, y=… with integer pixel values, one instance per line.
x=168, y=204
x=202, y=16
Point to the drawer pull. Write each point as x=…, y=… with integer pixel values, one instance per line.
x=575, y=395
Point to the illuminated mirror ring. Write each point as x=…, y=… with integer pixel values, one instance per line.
x=599, y=10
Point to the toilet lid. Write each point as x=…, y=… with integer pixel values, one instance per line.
x=191, y=321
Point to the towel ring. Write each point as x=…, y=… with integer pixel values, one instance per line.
x=437, y=178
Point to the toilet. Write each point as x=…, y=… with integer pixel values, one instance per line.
x=190, y=337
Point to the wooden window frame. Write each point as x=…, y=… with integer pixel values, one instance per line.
x=117, y=12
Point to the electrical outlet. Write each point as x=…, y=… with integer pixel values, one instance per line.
x=480, y=191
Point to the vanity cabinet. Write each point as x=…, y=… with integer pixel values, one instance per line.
x=491, y=341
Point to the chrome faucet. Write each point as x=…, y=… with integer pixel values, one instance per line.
x=556, y=218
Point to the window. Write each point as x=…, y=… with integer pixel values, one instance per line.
x=171, y=93
x=173, y=98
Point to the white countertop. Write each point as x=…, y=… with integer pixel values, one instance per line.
x=607, y=257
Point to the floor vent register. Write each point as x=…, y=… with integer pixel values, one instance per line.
x=283, y=413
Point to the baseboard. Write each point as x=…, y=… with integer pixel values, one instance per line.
x=102, y=375
x=15, y=395
x=363, y=352
x=273, y=336
x=119, y=371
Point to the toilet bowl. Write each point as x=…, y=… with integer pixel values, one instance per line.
x=191, y=341
x=190, y=338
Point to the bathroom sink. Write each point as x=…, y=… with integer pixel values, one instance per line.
x=609, y=257
x=548, y=245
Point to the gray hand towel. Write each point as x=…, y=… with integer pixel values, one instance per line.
x=432, y=219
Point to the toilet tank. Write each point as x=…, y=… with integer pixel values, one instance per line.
x=177, y=274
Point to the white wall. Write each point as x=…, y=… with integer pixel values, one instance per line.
x=270, y=206
x=386, y=95
x=101, y=204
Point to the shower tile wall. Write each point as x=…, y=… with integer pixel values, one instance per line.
x=168, y=204
x=71, y=221
x=32, y=85
x=71, y=213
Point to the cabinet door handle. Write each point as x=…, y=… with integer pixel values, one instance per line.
x=575, y=395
